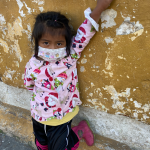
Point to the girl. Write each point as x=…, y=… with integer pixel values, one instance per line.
x=51, y=75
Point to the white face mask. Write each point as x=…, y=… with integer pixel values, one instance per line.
x=52, y=55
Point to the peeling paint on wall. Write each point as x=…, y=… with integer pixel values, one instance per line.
x=16, y=64
x=92, y=84
x=109, y=40
x=120, y=57
x=40, y=2
x=1, y=60
x=20, y=5
x=2, y=20
x=8, y=74
x=82, y=69
x=4, y=45
x=128, y=27
x=146, y=107
x=84, y=61
x=138, y=105
x=108, y=73
x=15, y=30
x=108, y=63
x=137, y=33
x=108, y=15
x=90, y=55
x=29, y=9
x=16, y=48
x=117, y=104
x=41, y=9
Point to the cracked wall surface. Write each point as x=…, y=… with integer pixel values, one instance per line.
x=114, y=70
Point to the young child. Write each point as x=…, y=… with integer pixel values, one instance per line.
x=51, y=75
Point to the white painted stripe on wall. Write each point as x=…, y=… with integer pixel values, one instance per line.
x=15, y=96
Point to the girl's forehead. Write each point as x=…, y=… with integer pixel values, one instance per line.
x=48, y=36
x=54, y=32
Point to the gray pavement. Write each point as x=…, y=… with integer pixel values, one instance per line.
x=12, y=143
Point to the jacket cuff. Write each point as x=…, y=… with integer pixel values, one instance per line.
x=87, y=13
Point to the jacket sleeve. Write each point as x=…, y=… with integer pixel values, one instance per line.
x=84, y=33
x=32, y=70
x=28, y=78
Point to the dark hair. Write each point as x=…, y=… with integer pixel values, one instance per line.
x=52, y=23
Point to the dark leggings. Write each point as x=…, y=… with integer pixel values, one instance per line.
x=59, y=137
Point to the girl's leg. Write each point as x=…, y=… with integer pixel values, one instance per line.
x=62, y=137
x=74, y=141
x=40, y=147
x=40, y=136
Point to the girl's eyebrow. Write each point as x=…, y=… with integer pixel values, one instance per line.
x=49, y=41
x=61, y=41
x=44, y=40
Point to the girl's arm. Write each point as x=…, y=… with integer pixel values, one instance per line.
x=101, y=6
x=28, y=80
x=88, y=28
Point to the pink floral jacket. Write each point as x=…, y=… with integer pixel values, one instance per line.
x=55, y=85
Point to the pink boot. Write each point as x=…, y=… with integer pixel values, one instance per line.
x=83, y=131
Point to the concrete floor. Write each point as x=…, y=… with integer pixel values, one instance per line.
x=12, y=143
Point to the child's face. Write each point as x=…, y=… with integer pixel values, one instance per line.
x=52, y=42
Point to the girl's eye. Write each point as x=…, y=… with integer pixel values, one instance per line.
x=59, y=44
x=46, y=43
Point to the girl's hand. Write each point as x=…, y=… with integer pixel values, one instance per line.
x=101, y=6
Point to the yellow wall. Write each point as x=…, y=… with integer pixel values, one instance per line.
x=114, y=70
